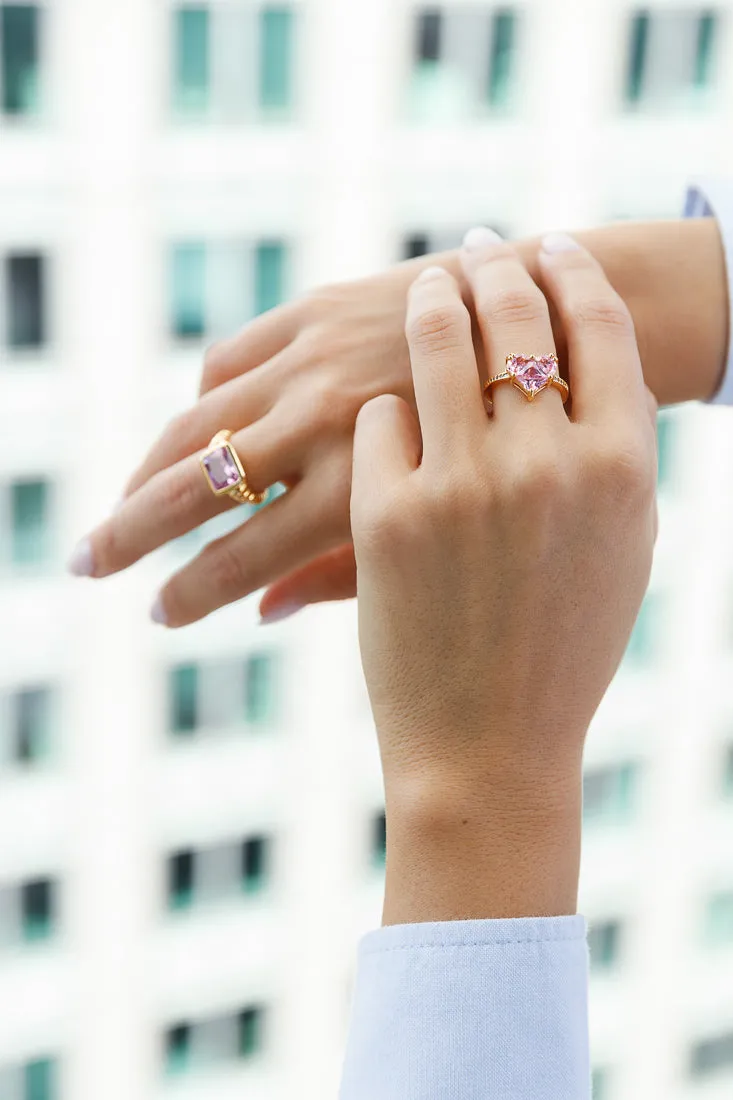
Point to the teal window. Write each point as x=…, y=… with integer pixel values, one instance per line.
x=251, y=1024
x=30, y=724
x=38, y=909
x=30, y=507
x=191, y=61
x=181, y=869
x=671, y=57
x=276, y=58
x=728, y=772
x=610, y=794
x=19, y=58
x=379, y=839
x=255, y=863
x=665, y=447
x=178, y=1049
x=604, y=944
x=260, y=688
x=718, y=929
x=638, y=40
x=643, y=638
x=40, y=1079
x=26, y=304
x=502, y=58
x=188, y=291
x=269, y=275
x=712, y=1056
x=183, y=699
x=600, y=1084
x=706, y=36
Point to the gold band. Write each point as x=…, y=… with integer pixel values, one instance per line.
x=225, y=473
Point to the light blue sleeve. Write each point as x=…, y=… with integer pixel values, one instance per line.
x=715, y=199
x=471, y=1010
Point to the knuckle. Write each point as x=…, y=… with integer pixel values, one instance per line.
x=516, y=305
x=625, y=470
x=182, y=495
x=438, y=328
x=331, y=404
x=214, y=369
x=225, y=569
x=605, y=314
x=378, y=523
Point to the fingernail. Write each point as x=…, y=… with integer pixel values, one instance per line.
x=480, y=237
x=81, y=562
x=559, y=242
x=277, y=614
x=157, y=612
x=429, y=273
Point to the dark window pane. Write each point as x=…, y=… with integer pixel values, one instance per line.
x=260, y=688
x=706, y=32
x=26, y=305
x=429, y=35
x=638, y=42
x=188, y=290
x=379, y=838
x=191, y=68
x=604, y=943
x=728, y=772
x=251, y=1027
x=255, y=862
x=181, y=879
x=31, y=724
x=183, y=691
x=269, y=275
x=37, y=909
x=29, y=517
x=40, y=1080
x=19, y=61
x=502, y=57
x=600, y=1084
x=177, y=1048
x=276, y=57
x=712, y=1056
x=416, y=245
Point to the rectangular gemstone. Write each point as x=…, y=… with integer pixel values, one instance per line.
x=221, y=469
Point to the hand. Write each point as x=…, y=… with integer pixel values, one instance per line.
x=501, y=566
x=291, y=386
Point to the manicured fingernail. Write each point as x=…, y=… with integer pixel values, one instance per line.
x=480, y=237
x=277, y=614
x=559, y=242
x=81, y=562
x=429, y=273
x=157, y=612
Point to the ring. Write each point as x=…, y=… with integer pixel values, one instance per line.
x=225, y=472
x=531, y=374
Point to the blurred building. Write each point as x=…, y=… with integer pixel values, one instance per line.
x=191, y=832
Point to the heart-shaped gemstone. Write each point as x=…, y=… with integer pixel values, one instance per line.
x=532, y=372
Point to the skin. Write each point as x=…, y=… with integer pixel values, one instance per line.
x=291, y=386
x=501, y=563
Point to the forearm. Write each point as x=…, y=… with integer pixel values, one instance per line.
x=672, y=276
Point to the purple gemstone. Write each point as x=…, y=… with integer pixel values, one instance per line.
x=221, y=469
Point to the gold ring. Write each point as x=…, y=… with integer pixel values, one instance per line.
x=224, y=471
x=531, y=374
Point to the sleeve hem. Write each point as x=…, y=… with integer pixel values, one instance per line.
x=474, y=933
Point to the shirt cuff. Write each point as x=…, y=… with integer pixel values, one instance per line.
x=466, y=1010
x=714, y=199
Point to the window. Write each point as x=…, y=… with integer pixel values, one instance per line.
x=35, y=1080
x=19, y=59
x=610, y=794
x=25, y=723
x=665, y=447
x=728, y=772
x=604, y=944
x=215, y=287
x=38, y=905
x=234, y=61
x=25, y=302
x=642, y=642
x=220, y=872
x=464, y=62
x=712, y=1056
x=718, y=930
x=217, y=1040
x=223, y=694
x=600, y=1083
x=671, y=58
x=379, y=839
x=30, y=507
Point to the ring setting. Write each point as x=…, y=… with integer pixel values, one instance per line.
x=531, y=374
x=225, y=473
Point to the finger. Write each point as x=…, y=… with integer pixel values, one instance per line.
x=513, y=318
x=294, y=529
x=176, y=500
x=258, y=341
x=234, y=404
x=444, y=371
x=386, y=449
x=605, y=373
x=330, y=577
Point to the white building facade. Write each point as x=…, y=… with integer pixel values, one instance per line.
x=190, y=822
